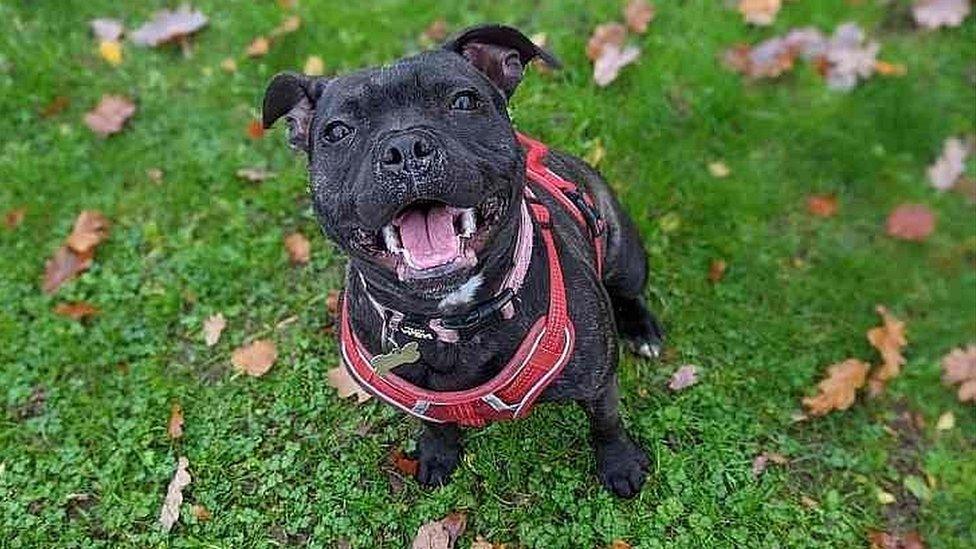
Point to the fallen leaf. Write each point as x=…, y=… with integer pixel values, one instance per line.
x=258, y=47
x=200, y=513
x=406, y=465
x=106, y=29
x=13, y=218
x=255, y=130
x=435, y=31
x=482, y=543
x=959, y=367
x=839, y=389
x=763, y=460
x=884, y=540
x=809, y=502
x=175, y=426
x=155, y=175
x=946, y=422
x=684, y=377
x=170, y=511
x=889, y=339
x=228, y=65
x=346, y=386
x=440, y=534
x=932, y=14
x=822, y=205
x=638, y=14
x=619, y=544
x=289, y=25
x=56, y=106
x=913, y=222
x=885, y=498
x=950, y=165
x=607, y=67
x=716, y=270
x=110, y=115
x=111, y=52
x=299, y=248
x=885, y=68
x=596, y=153
x=169, y=26
x=254, y=174
x=213, y=326
x=76, y=255
x=607, y=34
x=669, y=222
x=332, y=303
x=314, y=66
x=718, y=169
x=759, y=12
x=76, y=310
x=256, y=358
x=90, y=229
x=849, y=57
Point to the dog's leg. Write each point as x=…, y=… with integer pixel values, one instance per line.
x=438, y=453
x=621, y=464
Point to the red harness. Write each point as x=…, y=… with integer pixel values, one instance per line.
x=541, y=355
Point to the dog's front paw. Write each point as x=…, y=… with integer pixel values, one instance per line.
x=621, y=466
x=437, y=459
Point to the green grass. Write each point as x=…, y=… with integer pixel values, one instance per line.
x=278, y=460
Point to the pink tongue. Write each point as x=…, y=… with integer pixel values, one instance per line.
x=429, y=237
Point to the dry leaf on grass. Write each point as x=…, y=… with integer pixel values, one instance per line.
x=607, y=67
x=849, y=57
x=440, y=534
x=716, y=270
x=718, y=169
x=258, y=47
x=346, y=386
x=106, y=29
x=213, y=326
x=684, y=377
x=314, y=66
x=950, y=165
x=90, y=229
x=884, y=540
x=254, y=174
x=13, y=218
x=407, y=466
x=76, y=310
x=759, y=12
x=762, y=461
x=256, y=358
x=290, y=24
x=170, y=511
x=299, y=248
x=169, y=26
x=839, y=389
x=619, y=544
x=913, y=222
x=228, y=65
x=607, y=34
x=885, y=68
x=110, y=115
x=889, y=339
x=435, y=32
x=76, y=255
x=481, y=543
x=932, y=14
x=638, y=14
x=255, y=130
x=200, y=513
x=64, y=265
x=959, y=367
x=822, y=205
x=946, y=422
x=175, y=426
x=56, y=106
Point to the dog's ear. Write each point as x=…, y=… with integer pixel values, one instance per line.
x=501, y=53
x=293, y=96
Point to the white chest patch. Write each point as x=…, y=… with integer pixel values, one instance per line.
x=462, y=295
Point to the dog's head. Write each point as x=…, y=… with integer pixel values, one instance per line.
x=414, y=167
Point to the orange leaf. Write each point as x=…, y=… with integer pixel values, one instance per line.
x=619, y=544
x=346, y=386
x=759, y=12
x=256, y=358
x=175, y=427
x=258, y=47
x=839, y=389
x=110, y=115
x=14, y=218
x=637, y=14
x=407, y=466
x=90, y=229
x=914, y=222
x=255, y=130
x=200, y=513
x=822, y=205
x=885, y=68
x=884, y=540
x=63, y=266
x=299, y=248
x=76, y=310
x=716, y=270
x=888, y=339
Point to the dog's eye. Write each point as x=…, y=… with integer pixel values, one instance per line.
x=336, y=131
x=465, y=101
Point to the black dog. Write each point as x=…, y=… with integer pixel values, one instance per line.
x=416, y=172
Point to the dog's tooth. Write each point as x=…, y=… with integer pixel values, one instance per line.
x=468, y=223
x=391, y=238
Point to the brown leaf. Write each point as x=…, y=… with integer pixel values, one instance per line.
x=314, y=66
x=889, y=339
x=105, y=28
x=607, y=34
x=200, y=513
x=288, y=26
x=56, y=106
x=228, y=65
x=884, y=68
x=822, y=205
x=345, y=385
x=332, y=303
x=13, y=218
x=759, y=12
x=405, y=465
x=255, y=174
x=684, y=377
x=435, y=31
x=914, y=222
x=932, y=14
x=76, y=310
x=839, y=389
x=716, y=270
x=299, y=248
x=637, y=14
x=611, y=60
x=950, y=165
x=169, y=26
x=440, y=534
x=719, y=169
x=959, y=367
x=175, y=427
x=482, y=543
x=213, y=326
x=170, y=511
x=110, y=115
x=763, y=460
x=619, y=544
x=63, y=266
x=884, y=540
x=256, y=358
x=255, y=130
x=849, y=57
x=258, y=47
x=90, y=229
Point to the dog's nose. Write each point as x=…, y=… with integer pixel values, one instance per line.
x=405, y=151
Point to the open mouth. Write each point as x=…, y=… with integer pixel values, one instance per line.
x=430, y=239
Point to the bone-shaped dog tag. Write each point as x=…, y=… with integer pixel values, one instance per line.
x=406, y=354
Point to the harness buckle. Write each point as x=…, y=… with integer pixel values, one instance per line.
x=594, y=221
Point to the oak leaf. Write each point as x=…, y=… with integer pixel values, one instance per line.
x=607, y=66
x=169, y=26
x=638, y=14
x=932, y=14
x=345, y=385
x=959, y=367
x=684, y=377
x=838, y=390
x=884, y=540
x=299, y=248
x=175, y=426
x=258, y=47
x=213, y=326
x=76, y=255
x=440, y=534
x=170, y=511
x=110, y=115
x=90, y=229
x=256, y=358
x=950, y=165
x=889, y=339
